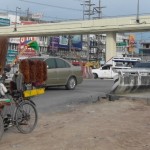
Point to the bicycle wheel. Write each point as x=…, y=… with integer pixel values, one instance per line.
x=1, y=127
x=26, y=117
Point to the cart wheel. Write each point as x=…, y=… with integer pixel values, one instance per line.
x=26, y=117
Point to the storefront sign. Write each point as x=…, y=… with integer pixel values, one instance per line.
x=4, y=22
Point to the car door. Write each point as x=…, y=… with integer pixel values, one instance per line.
x=63, y=70
x=52, y=78
x=106, y=72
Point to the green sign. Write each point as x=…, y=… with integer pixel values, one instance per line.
x=121, y=44
x=4, y=22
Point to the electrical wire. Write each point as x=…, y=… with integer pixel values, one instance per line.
x=24, y=14
x=42, y=4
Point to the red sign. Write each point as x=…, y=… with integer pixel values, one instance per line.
x=23, y=50
x=23, y=39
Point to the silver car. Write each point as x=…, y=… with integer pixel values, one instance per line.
x=60, y=72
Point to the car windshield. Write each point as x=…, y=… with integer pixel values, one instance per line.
x=142, y=65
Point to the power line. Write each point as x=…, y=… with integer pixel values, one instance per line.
x=42, y=4
x=24, y=13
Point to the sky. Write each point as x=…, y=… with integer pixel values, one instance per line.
x=72, y=9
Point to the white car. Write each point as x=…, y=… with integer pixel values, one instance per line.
x=107, y=71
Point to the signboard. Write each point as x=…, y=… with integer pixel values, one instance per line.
x=131, y=44
x=121, y=44
x=54, y=43
x=4, y=22
x=23, y=50
x=23, y=39
x=37, y=15
x=14, y=40
x=62, y=42
x=11, y=55
x=77, y=42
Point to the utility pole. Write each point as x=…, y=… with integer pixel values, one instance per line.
x=70, y=45
x=87, y=13
x=28, y=14
x=87, y=9
x=98, y=10
x=15, y=28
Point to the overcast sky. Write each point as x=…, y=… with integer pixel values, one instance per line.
x=72, y=9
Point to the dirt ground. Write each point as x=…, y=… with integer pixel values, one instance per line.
x=104, y=125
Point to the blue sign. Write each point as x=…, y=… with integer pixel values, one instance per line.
x=4, y=22
x=11, y=55
x=76, y=42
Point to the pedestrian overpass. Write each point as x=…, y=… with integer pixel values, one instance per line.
x=109, y=26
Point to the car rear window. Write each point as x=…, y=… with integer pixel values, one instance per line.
x=62, y=64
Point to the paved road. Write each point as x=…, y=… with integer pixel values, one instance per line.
x=57, y=99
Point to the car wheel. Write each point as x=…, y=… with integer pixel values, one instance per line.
x=71, y=84
x=95, y=75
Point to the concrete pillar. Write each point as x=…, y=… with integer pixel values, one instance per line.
x=110, y=45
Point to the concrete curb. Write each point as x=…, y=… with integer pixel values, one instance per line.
x=133, y=96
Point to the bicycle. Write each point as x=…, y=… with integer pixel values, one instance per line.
x=17, y=108
x=17, y=111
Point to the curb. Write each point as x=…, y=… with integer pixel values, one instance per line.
x=134, y=96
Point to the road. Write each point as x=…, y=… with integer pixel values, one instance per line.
x=57, y=99
x=118, y=125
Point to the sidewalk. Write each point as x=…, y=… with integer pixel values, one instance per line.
x=105, y=125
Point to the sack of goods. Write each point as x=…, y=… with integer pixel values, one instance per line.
x=34, y=71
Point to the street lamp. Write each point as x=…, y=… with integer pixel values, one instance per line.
x=137, y=18
x=15, y=28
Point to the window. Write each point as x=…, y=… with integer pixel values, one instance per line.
x=51, y=63
x=105, y=67
x=62, y=64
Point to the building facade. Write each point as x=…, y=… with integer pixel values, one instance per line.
x=86, y=47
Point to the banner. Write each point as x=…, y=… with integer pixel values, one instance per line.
x=28, y=52
x=132, y=43
x=54, y=43
x=62, y=42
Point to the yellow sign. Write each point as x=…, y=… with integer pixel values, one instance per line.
x=131, y=44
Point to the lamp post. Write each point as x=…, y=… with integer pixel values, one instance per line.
x=137, y=18
x=15, y=28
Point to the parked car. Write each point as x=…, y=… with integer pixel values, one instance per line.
x=61, y=72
